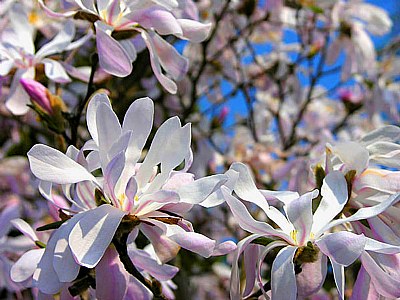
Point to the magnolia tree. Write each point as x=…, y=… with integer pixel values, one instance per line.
x=180, y=149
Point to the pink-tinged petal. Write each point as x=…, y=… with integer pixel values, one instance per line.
x=245, y=187
x=112, y=174
x=312, y=277
x=384, y=283
x=198, y=190
x=25, y=228
x=168, y=4
x=224, y=248
x=235, y=276
x=283, y=277
x=130, y=192
x=156, y=18
x=342, y=247
x=194, y=242
x=247, y=222
x=142, y=260
x=85, y=195
x=112, y=56
x=93, y=233
x=338, y=274
x=53, y=14
x=10, y=212
x=379, y=180
x=165, y=248
x=177, y=180
x=111, y=277
x=152, y=202
x=300, y=215
x=137, y=291
x=172, y=62
x=379, y=247
x=366, y=212
x=363, y=288
x=55, y=71
x=334, y=198
x=91, y=113
x=194, y=31
x=49, y=164
x=382, y=232
x=26, y=265
x=166, y=82
x=251, y=254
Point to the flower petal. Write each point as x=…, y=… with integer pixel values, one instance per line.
x=112, y=56
x=111, y=277
x=338, y=274
x=93, y=233
x=49, y=164
x=91, y=113
x=247, y=222
x=342, y=247
x=194, y=31
x=25, y=228
x=384, y=283
x=334, y=198
x=245, y=187
x=198, y=190
x=26, y=265
x=283, y=278
x=142, y=260
x=300, y=215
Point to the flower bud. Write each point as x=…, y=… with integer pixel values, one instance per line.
x=39, y=94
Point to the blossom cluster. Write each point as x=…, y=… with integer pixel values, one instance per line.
x=180, y=149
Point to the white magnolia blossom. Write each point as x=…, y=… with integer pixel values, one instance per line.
x=151, y=194
x=17, y=50
x=302, y=231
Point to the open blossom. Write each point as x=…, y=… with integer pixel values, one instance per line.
x=305, y=238
x=118, y=22
x=354, y=20
x=17, y=51
x=148, y=196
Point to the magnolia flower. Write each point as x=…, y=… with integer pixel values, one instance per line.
x=117, y=22
x=303, y=236
x=371, y=166
x=355, y=20
x=17, y=50
x=147, y=196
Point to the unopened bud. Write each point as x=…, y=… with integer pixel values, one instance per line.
x=39, y=94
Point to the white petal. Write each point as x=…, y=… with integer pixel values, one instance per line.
x=26, y=265
x=334, y=198
x=283, y=278
x=93, y=233
x=55, y=71
x=95, y=101
x=246, y=189
x=51, y=165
